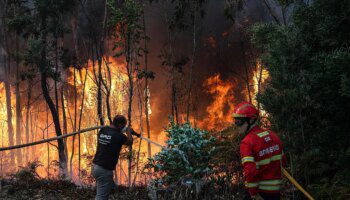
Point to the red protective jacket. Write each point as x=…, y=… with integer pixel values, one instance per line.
x=262, y=158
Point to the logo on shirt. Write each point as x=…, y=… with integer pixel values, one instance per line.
x=269, y=150
x=267, y=139
x=104, y=139
x=103, y=136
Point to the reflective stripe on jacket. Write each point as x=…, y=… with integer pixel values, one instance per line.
x=262, y=157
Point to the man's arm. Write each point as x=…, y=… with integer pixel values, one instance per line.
x=249, y=169
x=129, y=140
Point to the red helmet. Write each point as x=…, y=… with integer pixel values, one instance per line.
x=247, y=110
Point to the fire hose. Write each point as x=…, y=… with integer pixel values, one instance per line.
x=284, y=171
x=296, y=184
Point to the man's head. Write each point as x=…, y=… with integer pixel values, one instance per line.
x=246, y=116
x=119, y=122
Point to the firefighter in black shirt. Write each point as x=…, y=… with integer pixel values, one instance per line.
x=109, y=144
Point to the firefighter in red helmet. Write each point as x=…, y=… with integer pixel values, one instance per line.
x=261, y=153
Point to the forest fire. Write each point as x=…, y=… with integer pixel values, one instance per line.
x=79, y=100
x=177, y=72
x=91, y=94
x=80, y=94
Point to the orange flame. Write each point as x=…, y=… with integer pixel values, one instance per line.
x=221, y=109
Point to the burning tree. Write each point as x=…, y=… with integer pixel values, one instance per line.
x=40, y=54
x=127, y=20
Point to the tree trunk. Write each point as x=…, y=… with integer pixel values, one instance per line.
x=29, y=96
x=246, y=67
x=147, y=92
x=259, y=83
x=2, y=145
x=108, y=91
x=139, y=88
x=9, y=113
x=99, y=92
x=64, y=116
x=33, y=129
x=18, y=108
x=46, y=94
x=80, y=118
x=193, y=61
x=48, y=144
x=272, y=13
x=131, y=90
x=61, y=149
x=56, y=71
x=75, y=122
x=6, y=58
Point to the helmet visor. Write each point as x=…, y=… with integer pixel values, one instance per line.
x=239, y=121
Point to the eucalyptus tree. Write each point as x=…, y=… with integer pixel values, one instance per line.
x=46, y=24
x=6, y=62
x=126, y=18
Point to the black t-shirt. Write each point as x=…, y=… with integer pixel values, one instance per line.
x=109, y=144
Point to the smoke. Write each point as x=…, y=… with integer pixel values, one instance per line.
x=219, y=51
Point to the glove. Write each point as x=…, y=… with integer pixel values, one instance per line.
x=132, y=132
x=257, y=197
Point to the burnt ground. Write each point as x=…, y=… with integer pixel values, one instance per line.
x=19, y=189
x=59, y=189
x=26, y=184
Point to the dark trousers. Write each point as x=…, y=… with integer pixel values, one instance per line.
x=104, y=182
x=270, y=196
x=265, y=196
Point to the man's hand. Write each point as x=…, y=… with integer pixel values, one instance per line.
x=130, y=139
x=257, y=197
x=132, y=132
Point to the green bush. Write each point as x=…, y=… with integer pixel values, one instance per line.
x=187, y=155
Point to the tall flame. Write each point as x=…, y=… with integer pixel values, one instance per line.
x=220, y=110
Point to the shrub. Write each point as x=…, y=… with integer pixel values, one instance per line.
x=187, y=155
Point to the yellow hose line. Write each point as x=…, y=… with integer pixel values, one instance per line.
x=294, y=182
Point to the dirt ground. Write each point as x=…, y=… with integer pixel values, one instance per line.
x=52, y=190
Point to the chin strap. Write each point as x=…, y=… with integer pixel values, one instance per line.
x=250, y=125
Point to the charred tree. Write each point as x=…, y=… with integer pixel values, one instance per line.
x=9, y=111
x=247, y=70
x=47, y=13
x=28, y=107
x=18, y=105
x=193, y=57
x=64, y=118
x=7, y=84
x=147, y=91
x=75, y=122
x=80, y=120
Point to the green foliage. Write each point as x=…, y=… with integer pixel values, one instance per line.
x=227, y=173
x=185, y=13
x=187, y=154
x=231, y=8
x=127, y=20
x=143, y=74
x=28, y=176
x=40, y=23
x=308, y=95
